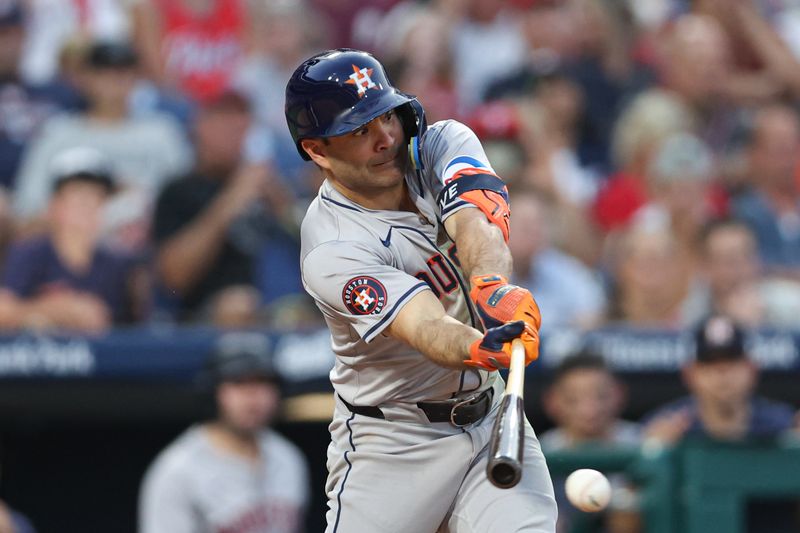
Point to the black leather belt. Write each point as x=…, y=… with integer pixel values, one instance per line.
x=366, y=410
x=458, y=411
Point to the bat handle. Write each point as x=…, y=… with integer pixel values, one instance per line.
x=516, y=369
x=504, y=468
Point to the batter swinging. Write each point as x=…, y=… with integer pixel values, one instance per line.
x=404, y=250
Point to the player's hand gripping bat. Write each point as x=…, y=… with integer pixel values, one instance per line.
x=504, y=467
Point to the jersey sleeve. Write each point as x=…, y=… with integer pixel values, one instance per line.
x=359, y=285
x=460, y=175
x=451, y=148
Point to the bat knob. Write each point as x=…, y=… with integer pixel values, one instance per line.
x=504, y=475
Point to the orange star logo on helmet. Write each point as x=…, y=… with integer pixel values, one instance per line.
x=361, y=79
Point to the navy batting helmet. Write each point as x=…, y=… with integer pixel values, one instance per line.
x=339, y=91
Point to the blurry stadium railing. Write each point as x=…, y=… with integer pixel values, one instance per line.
x=698, y=487
x=149, y=371
x=652, y=472
x=178, y=353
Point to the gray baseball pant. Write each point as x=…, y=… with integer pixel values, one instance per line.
x=406, y=475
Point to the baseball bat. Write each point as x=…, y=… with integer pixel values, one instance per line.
x=504, y=468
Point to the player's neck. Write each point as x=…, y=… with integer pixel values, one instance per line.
x=385, y=199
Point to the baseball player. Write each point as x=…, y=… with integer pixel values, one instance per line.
x=231, y=474
x=404, y=250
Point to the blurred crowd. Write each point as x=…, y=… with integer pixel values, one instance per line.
x=651, y=150
x=651, y=147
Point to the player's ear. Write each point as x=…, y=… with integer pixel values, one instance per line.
x=315, y=149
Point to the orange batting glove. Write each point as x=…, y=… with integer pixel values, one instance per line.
x=499, y=303
x=493, y=351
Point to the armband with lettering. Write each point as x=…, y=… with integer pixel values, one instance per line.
x=482, y=189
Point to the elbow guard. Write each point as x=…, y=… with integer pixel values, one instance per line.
x=482, y=189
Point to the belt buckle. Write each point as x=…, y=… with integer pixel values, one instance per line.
x=465, y=401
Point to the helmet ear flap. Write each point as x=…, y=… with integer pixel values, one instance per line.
x=413, y=117
x=422, y=124
x=414, y=125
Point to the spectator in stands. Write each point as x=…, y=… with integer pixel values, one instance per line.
x=729, y=281
x=722, y=404
x=651, y=276
x=531, y=144
x=760, y=40
x=232, y=473
x=145, y=152
x=193, y=46
x=551, y=119
x=679, y=182
x=586, y=41
x=487, y=44
x=696, y=68
x=695, y=60
x=285, y=34
x=585, y=401
x=772, y=207
x=640, y=130
x=414, y=41
x=13, y=522
x=550, y=32
x=23, y=107
x=722, y=58
x=212, y=226
x=694, y=73
x=607, y=71
x=53, y=25
x=353, y=24
x=568, y=293
x=65, y=279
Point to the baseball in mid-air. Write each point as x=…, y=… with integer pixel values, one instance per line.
x=588, y=490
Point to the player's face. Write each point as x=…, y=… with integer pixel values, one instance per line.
x=371, y=158
x=585, y=403
x=722, y=383
x=245, y=406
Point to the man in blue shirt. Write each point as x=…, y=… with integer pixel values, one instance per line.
x=772, y=207
x=66, y=279
x=722, y=404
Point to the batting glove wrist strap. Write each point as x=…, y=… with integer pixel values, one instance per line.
x=498, y=302
x=493, y=351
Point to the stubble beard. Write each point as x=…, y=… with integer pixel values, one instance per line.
x=370, y=179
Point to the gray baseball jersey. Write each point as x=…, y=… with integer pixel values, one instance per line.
x=362, y=265
x=194, y=488
x=403, y=474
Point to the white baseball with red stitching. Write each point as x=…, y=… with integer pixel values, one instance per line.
x=588, y=490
